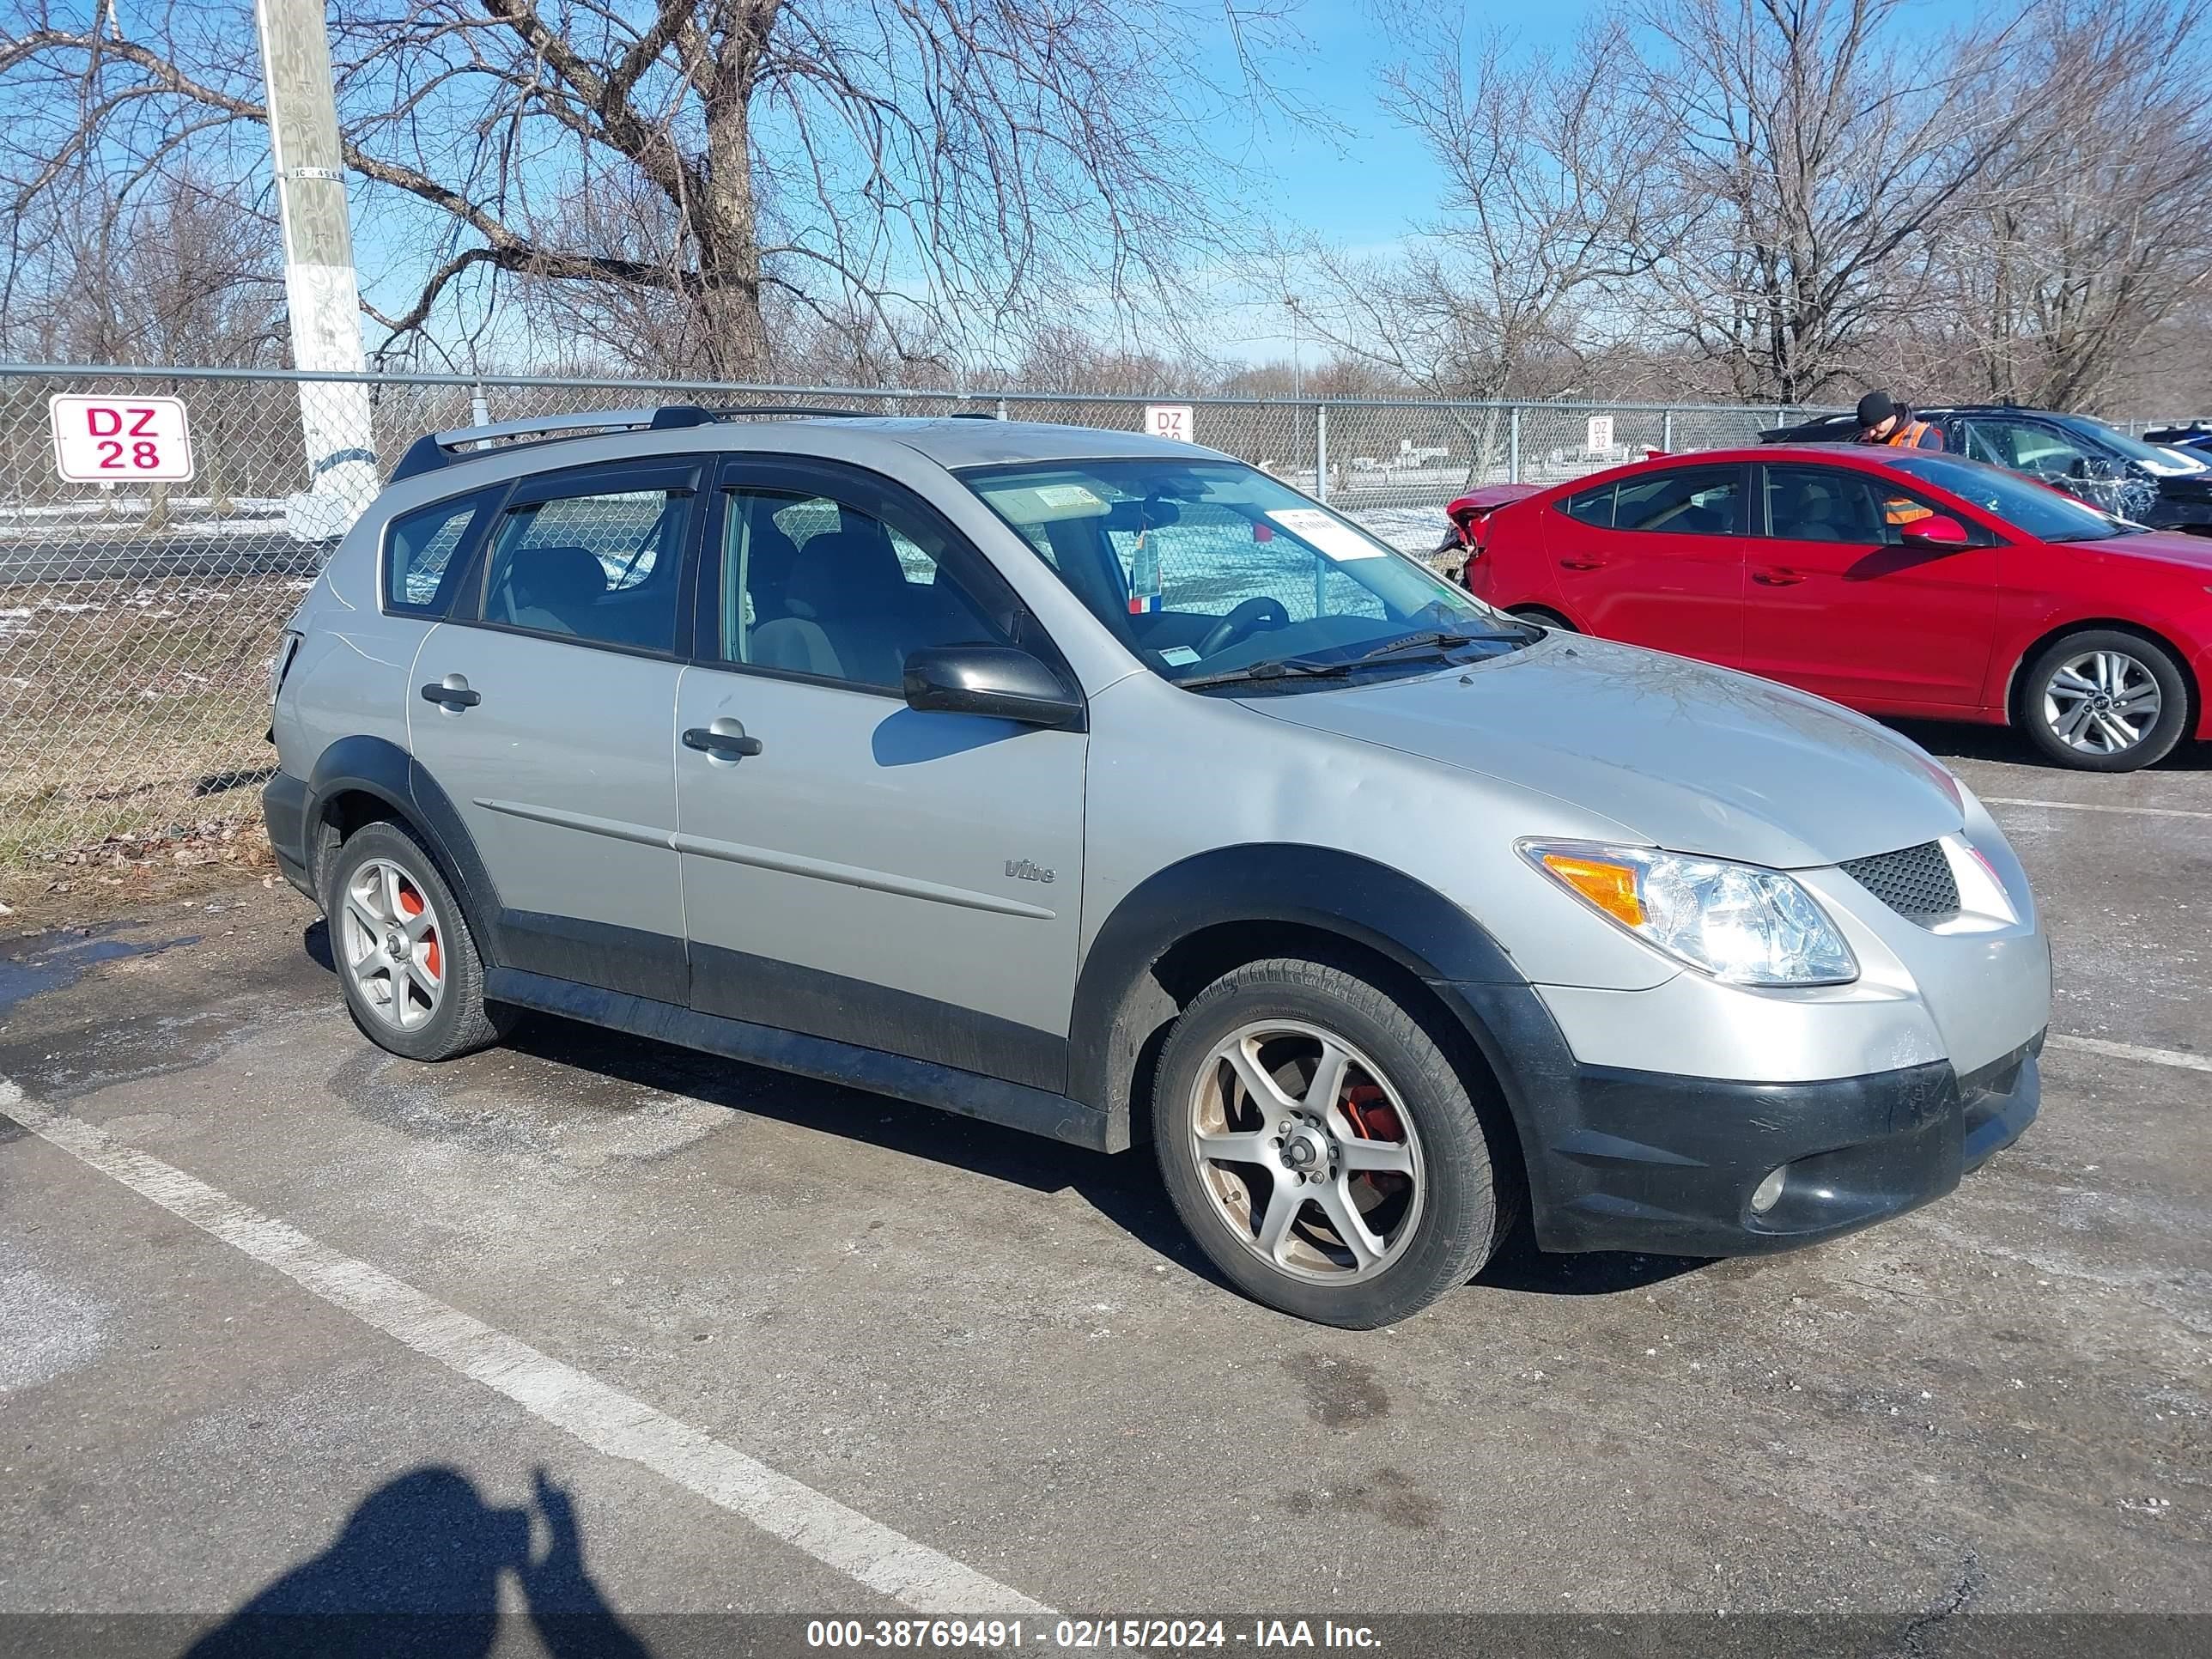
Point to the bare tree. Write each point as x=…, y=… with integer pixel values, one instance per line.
x=1553, y=195
x=2098, y=227
x=907, y=167
x=181, y=272
x=1821, y=144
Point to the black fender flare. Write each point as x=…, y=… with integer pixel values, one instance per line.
x=1356, y=898
x=380, y=768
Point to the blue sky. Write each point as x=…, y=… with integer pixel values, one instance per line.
x=1358, y=179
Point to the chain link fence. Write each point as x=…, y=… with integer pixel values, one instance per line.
x=137, y=618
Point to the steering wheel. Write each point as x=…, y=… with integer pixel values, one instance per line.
x=1264, y=611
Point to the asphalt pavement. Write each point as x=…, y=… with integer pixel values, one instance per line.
x=593, y=1346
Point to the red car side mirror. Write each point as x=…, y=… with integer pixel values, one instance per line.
x=1937, y=529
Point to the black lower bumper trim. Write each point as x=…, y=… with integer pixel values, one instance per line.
x=284, y=810
x=1628, y=1160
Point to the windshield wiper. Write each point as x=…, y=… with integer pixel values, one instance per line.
x=1271, y=668
x=1437, y=640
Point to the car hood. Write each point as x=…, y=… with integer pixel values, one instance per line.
x=1692, y=757
x=2164, y=546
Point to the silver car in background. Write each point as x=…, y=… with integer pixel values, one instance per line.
x=1109, y=788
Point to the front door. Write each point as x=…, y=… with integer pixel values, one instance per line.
x=853, y=868
x=1657, y=558
x=546, y=712
x=1840, y=604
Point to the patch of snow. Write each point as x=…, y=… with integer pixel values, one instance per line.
x=1419, y=530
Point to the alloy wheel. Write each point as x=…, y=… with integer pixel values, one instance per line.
x=390, y=944
x=2101, y=703
x=1307, y=1151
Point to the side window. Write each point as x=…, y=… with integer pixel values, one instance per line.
x=1185, y=557
x=1830, y=504
x=1822, y=504
x=813, y=586
x=2025, y=446
x=1591, y=506
x=599, y=568
x=419, y=549
x=1682, y=500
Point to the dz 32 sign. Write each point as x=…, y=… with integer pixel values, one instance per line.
x=109, y=439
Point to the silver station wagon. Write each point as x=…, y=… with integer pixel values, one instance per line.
x=1106, y=788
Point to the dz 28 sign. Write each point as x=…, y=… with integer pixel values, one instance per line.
x=107, y=440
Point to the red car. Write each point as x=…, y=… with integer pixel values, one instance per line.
x=1898, y=583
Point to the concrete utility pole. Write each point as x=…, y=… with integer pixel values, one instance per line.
x=320, y=290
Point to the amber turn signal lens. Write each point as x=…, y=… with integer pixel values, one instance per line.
x=1611, y=887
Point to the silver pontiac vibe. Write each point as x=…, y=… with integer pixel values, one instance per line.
x=1109, y=788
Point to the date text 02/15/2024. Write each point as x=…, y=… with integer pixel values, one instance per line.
x=987, y=1635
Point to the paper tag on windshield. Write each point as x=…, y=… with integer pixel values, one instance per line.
x=1178, y=656
x=1326, y=533
x=1067, y=495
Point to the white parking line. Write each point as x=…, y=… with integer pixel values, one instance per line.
x=604, y=1418
x=2096, y=807
x=2182, y=1058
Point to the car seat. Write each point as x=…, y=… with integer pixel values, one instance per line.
x=550, y=588
x=850, y=610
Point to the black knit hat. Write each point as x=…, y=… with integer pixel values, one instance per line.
x=1876, y=408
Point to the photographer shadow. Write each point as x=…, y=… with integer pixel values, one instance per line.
x=416, y=1572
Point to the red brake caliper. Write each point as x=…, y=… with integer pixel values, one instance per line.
x=1372, y=1116
x=410, y=903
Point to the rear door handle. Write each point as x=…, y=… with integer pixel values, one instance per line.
x=724, y=740
x=1776, y=578
x=452, y=693
x=1581, y=564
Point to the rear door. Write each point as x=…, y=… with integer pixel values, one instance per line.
x=853, y=868
x=1838, y=604
x=1657, y=558
x=545, y=710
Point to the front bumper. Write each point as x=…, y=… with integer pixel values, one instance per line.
x=2179, y=512
x=1628, y=1160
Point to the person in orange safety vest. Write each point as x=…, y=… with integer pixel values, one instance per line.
x=1882, y=420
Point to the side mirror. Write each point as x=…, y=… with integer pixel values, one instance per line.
x=989, y=679
x=1938, y=530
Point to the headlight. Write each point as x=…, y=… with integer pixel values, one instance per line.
x=1739, y=923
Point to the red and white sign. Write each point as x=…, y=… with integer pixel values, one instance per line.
x=112, y=440
x=1170, y=421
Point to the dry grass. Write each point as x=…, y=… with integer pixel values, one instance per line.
x=133, y=709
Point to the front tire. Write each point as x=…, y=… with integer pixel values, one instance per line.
x=1543, y=618
x=1321, y=1147
x=412, y=976
x=2103, y=700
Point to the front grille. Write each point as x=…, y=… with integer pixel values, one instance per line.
x=1917, y=883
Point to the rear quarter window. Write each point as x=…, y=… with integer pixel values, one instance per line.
x=422, y=553
x=1590, y=507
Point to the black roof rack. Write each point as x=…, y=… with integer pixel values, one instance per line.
x=436, y=449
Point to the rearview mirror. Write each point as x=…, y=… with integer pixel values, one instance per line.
x=1937, y=529
x=989, y=679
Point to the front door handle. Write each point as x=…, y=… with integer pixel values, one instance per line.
x=1775, y=578
x=1581, y=564
x=725, y=741
x=452, y=694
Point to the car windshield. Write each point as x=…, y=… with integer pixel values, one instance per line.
x=2149, y=455
x=1211, y=572
x=2033, y=508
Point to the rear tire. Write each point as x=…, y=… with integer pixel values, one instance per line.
x=2104, y=701
x=1356, y=1199
x=412, y=976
